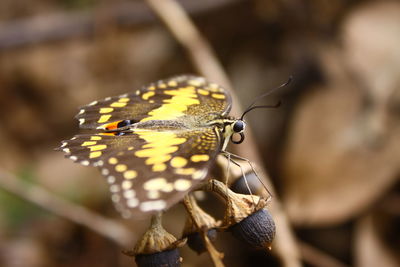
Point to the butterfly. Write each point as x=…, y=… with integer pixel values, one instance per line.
x=156, y=144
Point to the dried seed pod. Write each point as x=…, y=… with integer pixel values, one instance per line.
x=257, y=230
x=246, y=216
x=239, y=206
x=244, y=183
x=157, y=247
x=170, y=258
x=204, y=222
x=196, y=243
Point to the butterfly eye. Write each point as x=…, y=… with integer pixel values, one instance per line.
x=238, y=126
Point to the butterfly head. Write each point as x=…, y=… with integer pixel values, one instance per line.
x=232, y=128
x=237, y=128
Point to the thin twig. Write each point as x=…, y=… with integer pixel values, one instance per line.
x=316, y=257
x=68, y=210
x=198, y=49
x=391, y=204
x=215, y=255
x=205, y=60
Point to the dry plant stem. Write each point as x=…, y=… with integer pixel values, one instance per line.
x=183, y=29
x=156, y=239
x=215, y=255
x=70, y=211
x=61, y=26
x=316, y=257
x=204, y=59
x=202, y=219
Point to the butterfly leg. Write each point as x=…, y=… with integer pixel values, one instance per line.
x=231, y=155
x=228, y=156
x=228, y=165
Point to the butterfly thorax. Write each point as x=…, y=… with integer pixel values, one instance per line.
x=224, y=126
x=186, y=122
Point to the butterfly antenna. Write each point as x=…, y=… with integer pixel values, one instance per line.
x=251, y=106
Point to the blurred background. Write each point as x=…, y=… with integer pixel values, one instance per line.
x=332, y=149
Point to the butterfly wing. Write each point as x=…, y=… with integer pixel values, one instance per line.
x=90, y=149
x=152, y=169
x=149, y=170
x=167, y=99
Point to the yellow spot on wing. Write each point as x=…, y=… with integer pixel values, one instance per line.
x=163, y=86
x=185, y=171
x=98, y=147
x=158, y=148
x=130, y=174
x=155, y=184
x=159, y=167
x=196, y=82
x=167, y=188
x=106, y=134
x=178, y=162
x=95, y=154
x=104, y=118
x=106, y=110
x=88, y=143
x=95, y=138
x=123, y=100
x=197, y=158
x=175, y=107
x=133, y=202
x=126, y=184
x=113, y=160
x=203, y=92
x=182, y=184
x=198, y=174
x=172, y=83
x=153, y=194
x=151, y=152
x=147, y=95
x=158, y=159
x=152, y=88
x=218, y=96
x=118, y=104
x=213, y=85
x=166, y=139
x=121, y=168
x=153, y=205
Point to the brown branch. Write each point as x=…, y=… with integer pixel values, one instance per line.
x=48, y=201
x=60, y=26
x=316, y=257
x=205, y=60
x=391, y=204
x=215, y=255
x=185, y=32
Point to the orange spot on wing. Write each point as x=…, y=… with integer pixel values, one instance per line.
x=111, y=126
